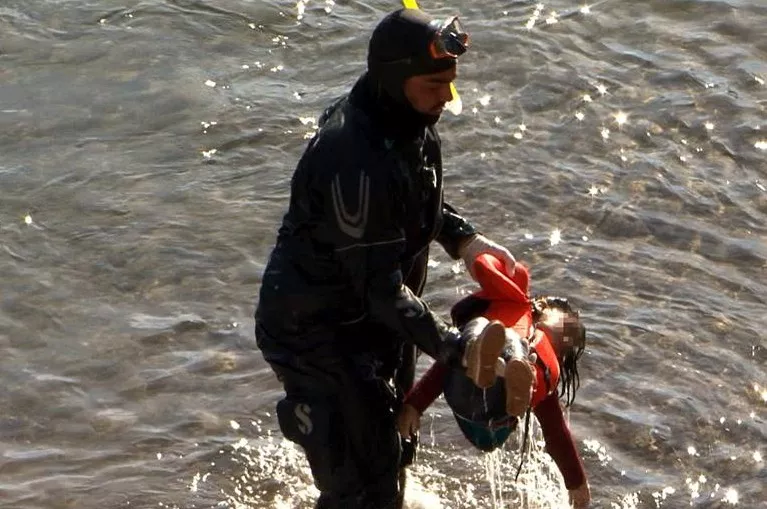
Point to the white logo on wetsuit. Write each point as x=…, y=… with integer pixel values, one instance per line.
x=352, y=224
x=430, y=176
x=305, y=424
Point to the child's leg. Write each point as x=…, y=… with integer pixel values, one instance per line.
x=485, y=342
x=518, y=374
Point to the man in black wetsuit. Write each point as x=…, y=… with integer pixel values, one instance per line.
x=339, y=316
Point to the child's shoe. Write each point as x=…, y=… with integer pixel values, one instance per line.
x=519, y=376
x=485, y=341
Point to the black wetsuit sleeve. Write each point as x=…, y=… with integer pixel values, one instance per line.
x=364, y=210
x=455, y=229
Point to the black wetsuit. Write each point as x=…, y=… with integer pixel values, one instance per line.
x=339, y=313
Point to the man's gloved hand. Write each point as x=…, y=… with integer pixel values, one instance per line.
x=580, y=497
x=479, y=244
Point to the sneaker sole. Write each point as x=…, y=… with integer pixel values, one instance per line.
x=489, y=347
x=519, y=379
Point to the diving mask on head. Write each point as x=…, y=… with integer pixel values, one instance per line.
x=450, y=40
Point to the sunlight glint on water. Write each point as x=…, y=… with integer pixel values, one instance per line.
x=275, y=474
x=146, y=174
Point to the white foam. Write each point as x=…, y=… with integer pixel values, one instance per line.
x=418, y=497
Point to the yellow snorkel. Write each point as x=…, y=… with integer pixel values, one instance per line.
x=456, y=105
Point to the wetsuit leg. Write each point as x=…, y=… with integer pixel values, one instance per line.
x=343, y=418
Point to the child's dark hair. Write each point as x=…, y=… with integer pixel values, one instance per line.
x=569, y=381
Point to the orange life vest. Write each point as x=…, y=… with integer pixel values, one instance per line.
x=510, y=303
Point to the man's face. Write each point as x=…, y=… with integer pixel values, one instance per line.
x=428, y=93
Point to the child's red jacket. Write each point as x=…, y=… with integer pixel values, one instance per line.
x=508, y=300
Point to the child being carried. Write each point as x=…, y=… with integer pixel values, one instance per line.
x=537, y=367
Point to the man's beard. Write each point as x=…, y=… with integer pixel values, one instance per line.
x=431, y=119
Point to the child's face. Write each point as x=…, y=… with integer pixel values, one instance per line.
x=566, y=330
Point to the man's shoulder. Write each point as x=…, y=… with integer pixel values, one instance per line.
x=345, y=138
x=342, y=122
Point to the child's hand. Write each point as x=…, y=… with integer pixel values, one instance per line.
x=580, y=497
x=408, y=421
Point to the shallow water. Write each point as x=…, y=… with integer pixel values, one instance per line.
x=619, y=149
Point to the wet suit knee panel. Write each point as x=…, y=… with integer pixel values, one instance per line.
x=350, y=441
x=313, y=425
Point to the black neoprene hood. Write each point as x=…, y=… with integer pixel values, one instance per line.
x=399, y=49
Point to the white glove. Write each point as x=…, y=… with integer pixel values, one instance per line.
x=479, y=244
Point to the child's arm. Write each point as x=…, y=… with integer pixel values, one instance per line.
x=423, y=394
x=561, y=447
x=428, y=388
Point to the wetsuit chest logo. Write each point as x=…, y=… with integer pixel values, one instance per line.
x=352, y=224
